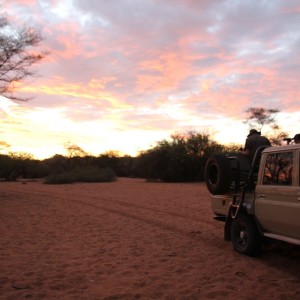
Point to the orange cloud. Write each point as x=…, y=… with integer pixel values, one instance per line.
x=94, y=90
x=166, y=72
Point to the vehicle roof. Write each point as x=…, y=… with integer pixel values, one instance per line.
x=281, y=148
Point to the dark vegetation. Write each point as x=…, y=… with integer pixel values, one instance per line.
x=180, y=159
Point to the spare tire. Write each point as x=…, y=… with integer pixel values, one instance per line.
x=218, y=174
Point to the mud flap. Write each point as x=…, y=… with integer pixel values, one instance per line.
x=227, y=235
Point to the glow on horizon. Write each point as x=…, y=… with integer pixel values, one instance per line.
x=31, y=134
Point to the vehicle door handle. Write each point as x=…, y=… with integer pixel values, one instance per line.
x=261, y=196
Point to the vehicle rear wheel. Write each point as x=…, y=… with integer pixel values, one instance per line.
x=218, y=174
x=245, y=236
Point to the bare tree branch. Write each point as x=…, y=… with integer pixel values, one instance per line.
x=259, y=116
x=17, y=56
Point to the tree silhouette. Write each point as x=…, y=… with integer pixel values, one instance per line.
x=258, y=117
x=17, y=55
x=179, y=159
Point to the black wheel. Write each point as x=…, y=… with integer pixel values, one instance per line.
x=218, y=174
x=244, y=236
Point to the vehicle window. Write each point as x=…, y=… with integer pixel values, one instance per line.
x=278, y=169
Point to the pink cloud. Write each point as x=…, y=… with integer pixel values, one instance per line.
x=18, y=2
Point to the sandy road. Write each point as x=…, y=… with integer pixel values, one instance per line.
x=129, y=240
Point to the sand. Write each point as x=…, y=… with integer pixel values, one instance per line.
x=129, y=239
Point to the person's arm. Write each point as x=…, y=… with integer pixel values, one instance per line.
x=246, y=151
x=246, y=148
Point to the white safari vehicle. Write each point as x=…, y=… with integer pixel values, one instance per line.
x=258, y=200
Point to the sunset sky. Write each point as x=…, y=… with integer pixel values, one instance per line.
x=124, y=74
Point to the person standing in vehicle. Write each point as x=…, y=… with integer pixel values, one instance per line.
x=253, y=142
x=297, y=138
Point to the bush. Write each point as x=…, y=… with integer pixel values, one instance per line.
x=94, y=174
x=182, y=159
x=61, y=178
x=82, y=174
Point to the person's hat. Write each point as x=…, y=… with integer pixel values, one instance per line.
x=252, y=131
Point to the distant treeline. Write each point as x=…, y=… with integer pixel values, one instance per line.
x=182, y=158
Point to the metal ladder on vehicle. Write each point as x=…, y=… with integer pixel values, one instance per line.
x=240, y=190
x=237, y=202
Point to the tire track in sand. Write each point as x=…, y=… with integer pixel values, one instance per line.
x=162, y=219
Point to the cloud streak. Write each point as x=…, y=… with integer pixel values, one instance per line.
x=161, y=66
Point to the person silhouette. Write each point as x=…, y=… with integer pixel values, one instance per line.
x=253, y=141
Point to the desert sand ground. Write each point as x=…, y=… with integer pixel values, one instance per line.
x=129, y=239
